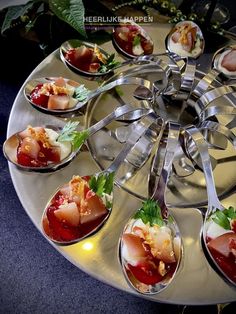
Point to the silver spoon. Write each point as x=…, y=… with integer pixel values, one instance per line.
x=136, y=257
x=216, y=71
x=11, y=144
x=89, y=95
x=75, y=43
x=173, y=45
x=71, y=44
x=215, y=238
x=131, y=40
x=91, y=212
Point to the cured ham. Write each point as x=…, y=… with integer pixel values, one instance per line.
x=229, y=61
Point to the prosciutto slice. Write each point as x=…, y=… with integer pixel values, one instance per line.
x=229, y=61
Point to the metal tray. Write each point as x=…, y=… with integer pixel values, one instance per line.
x=195, y=282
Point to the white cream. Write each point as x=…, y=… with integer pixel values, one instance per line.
x=214, y=230
x=137, y=50
x=65, y=147
x=178, y=49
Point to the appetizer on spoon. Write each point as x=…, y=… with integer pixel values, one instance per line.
x=72, y=99
x=151, y=245
x=54, y=93
x=131, y=40
x=219, y=227
x=87, y=58
x=47, y=149
x=187, y=41
x=81, y=207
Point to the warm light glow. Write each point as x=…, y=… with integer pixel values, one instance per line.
x=87, y=246
x=189, y=241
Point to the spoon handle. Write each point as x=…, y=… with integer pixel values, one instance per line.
x=170, y=146
x=188, y=76
x=118, y=112
x=109, y=86
x=139, y=130
x=197, y=137
x=203, y=85
x=212, y=95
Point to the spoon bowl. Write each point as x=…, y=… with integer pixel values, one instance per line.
x=79, y=57
x=79, y=208
x=131, y=40
x=55, y=95
x=84, y=95
x=11, y=145
x=147, y=263
x=186, y=40
x=217, y=71
x=220, y=57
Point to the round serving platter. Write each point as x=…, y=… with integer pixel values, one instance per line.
x=195, y=282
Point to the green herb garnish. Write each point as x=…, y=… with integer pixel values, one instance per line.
x=69, y=134
x=110, y=64
x=102, y=184
x=81, y=93
x=150, y=213
x=136, y=41
x=222, y=218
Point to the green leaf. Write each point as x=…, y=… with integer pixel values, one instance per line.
x=110, y=64
x=102, y=184
x=69, y=134
x=79, y=139
x=81, y=93
x=150, y=213
x=221, y=219
x=67, y=131
x=71, y=12
x=230, y=212
x=14, y=12
x=136, y=41
x=108, y=187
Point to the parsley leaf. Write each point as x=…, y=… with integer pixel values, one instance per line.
x=110, y=64
x=81, y=93
x=136, y=41
x=223, y=218
x=69, y=134
x=230, y=212
x=103, y=183
x=150, y=213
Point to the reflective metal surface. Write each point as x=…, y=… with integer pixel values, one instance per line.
x=196, y=282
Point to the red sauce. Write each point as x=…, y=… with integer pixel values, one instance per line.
x=46, y=156
x=146, y=271
x=62, y=230
x=126, y=41
x=227, y=264
x=150, y=275
x=38, y=98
